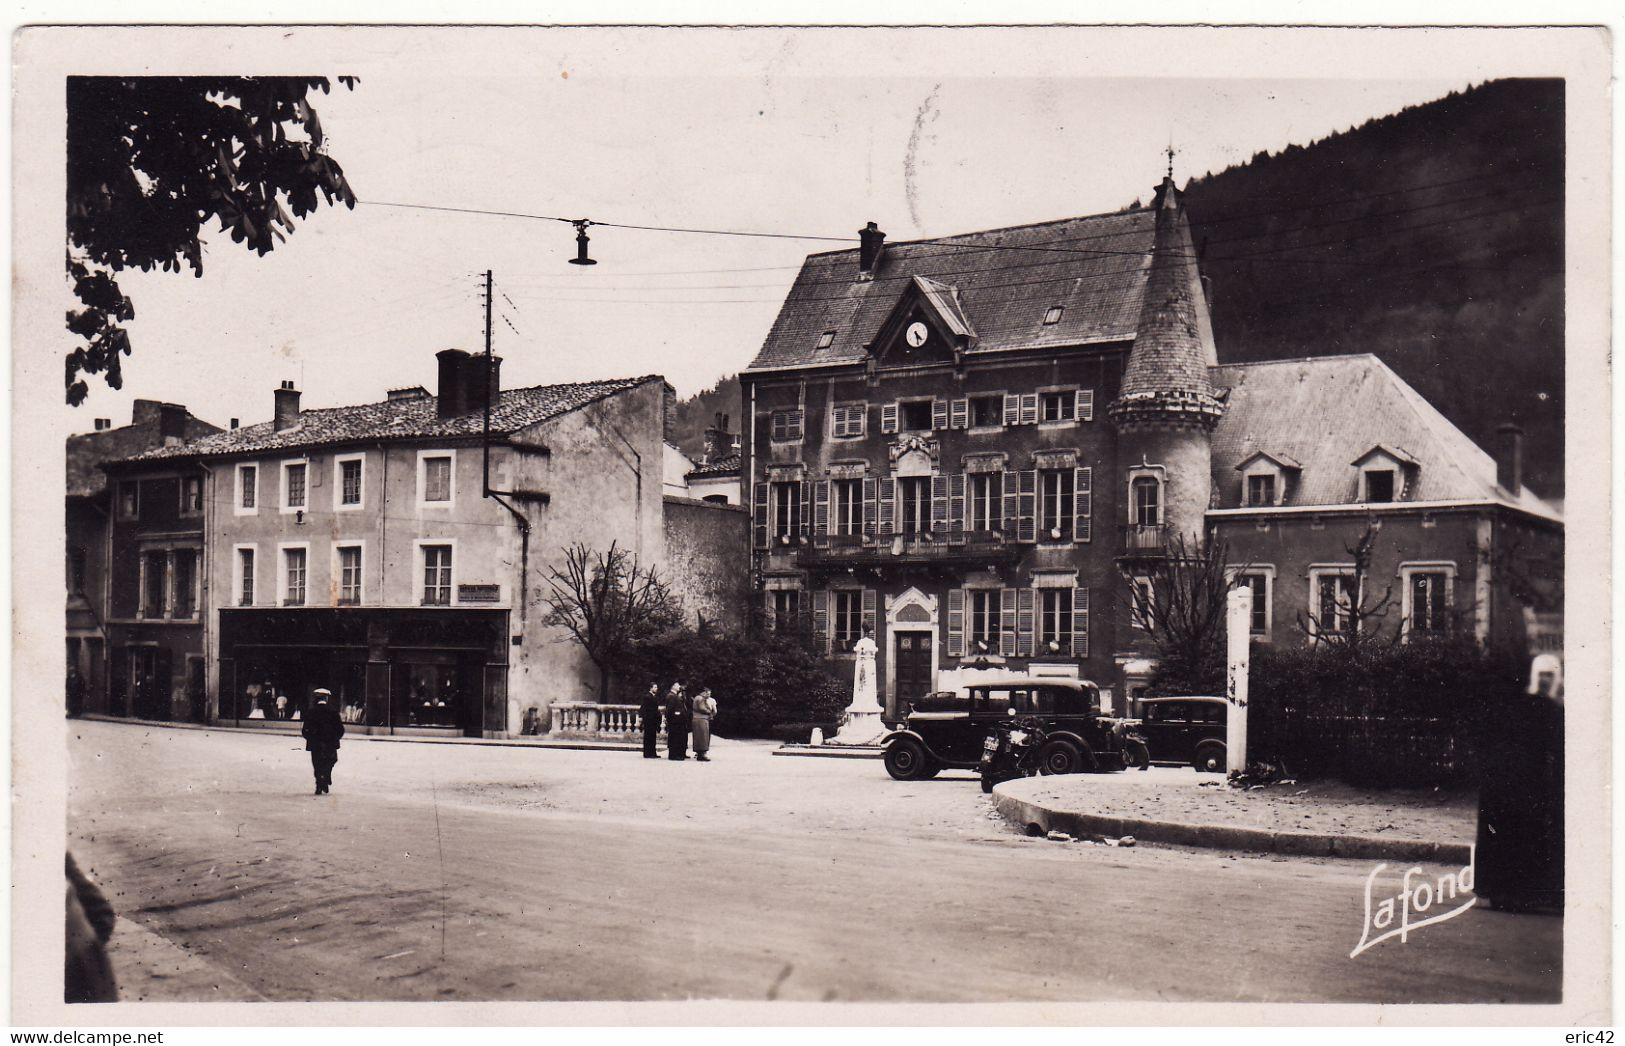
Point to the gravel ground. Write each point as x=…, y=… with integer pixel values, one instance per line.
x=1183, y=796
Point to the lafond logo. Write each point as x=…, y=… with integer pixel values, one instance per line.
x=1418, y=896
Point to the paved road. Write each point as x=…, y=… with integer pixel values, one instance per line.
x=461, y=872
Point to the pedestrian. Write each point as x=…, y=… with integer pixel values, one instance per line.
x=705, y=706
x=677, y=720
x=1518, y=862
x=87, y=972
x=322, y=731
x=649, y=712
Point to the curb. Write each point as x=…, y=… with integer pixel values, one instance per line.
x=831, y=751
x=1025, y=814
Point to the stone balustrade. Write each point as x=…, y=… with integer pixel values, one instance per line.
x=584, y=719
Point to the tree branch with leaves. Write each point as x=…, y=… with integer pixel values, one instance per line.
x=607, y=601
x=151, y=159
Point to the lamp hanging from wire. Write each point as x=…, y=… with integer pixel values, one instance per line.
x=581, y=243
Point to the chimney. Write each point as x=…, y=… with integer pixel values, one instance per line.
x=286, y=414
x=103, y=424
x=668, y=409
x=482, y=384
x=172, y=423
x=718, y=440
x=233, y=422
x=145, y=412
x=453, y=382
x=873, y=245
x=1509, y=462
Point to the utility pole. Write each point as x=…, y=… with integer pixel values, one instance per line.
x=485, y=444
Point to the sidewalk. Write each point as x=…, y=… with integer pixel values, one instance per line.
x=292, y=730
x=1184, y=808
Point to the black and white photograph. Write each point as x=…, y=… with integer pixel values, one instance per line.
x=811, y=525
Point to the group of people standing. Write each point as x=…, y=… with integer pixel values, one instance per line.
x=684, y=715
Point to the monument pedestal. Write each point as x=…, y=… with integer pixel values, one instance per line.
x=861, y=728
x=863, y=725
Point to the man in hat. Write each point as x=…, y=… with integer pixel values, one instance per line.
x=322, y=731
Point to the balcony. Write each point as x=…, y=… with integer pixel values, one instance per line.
x=1144, y=540
x=979, y=548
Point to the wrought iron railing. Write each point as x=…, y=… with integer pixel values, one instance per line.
x=1145, y=538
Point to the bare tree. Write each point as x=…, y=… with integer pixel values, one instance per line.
x=1180, y=600
x=607, y=602
x=1355, y=617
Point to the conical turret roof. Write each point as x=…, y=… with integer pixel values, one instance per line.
x=1173, y=342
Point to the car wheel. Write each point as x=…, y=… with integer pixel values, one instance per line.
x=987, y=783
x=1060, y=757
x=1210, y=758
x=905, y=760
x=932, y=769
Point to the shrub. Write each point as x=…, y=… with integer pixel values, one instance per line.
x=771, y=684
x=1389, y=715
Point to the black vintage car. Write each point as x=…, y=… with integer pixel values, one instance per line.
x=1185, y=730
x=948, y=730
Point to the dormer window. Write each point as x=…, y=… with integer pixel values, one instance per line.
x=1386, y=473
x=1261, y=489
x=1266, y=478
x=1379, y=485
x=1053, y=316
x=826, y=339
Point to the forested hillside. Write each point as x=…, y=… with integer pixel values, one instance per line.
x=1432, y=238
x=694, y=414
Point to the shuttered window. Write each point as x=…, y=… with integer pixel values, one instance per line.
x=1080, y=622
x=849, y=420
x=1007, y=622
x=786, y=424
x=1085, y=409
x=956, y=622
x=1027, y=506
x=1024, y=622
x=1083, y=503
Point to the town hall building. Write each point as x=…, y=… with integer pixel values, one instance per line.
x=971, y=447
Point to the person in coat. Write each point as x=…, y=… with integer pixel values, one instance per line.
x=1518, y=862
x=322, y=731
x=677, y=722
x=649, y=712
x=705, y=706
x=87, y=971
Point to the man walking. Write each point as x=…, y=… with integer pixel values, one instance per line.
x=322, y=731
x=649, y=711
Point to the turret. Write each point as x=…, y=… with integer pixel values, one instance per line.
x=1167, y=408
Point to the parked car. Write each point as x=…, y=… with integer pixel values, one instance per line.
x=1185, y=730
x=947, y=730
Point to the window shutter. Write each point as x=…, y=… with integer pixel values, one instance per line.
x=761, y=515
x=869, y=499
x=1029, y=409
x=1086, y=405
x=1027, y=524
x=959, y=414
x=1012, y=410
x=1007, y=622
x=888, y=417
x=798, y=422
x=837, y=421
x=888, y=506
x=805, y=489
x=956, y=622
x=956, y=508
x=1024, y=622
x=869, y=610
x=821, y=511
x=1080, y=622
x=939, y=414
x=939, y=504
x=1011, y=513
x=820, y=601
x=1082, y=503
x=857, y=419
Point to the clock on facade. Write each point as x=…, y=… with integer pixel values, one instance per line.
x=916, y=334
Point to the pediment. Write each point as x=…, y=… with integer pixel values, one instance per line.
x=927, y=325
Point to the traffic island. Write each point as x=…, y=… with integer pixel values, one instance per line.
x=1179, y=807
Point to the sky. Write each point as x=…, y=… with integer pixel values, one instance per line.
x=638, y=131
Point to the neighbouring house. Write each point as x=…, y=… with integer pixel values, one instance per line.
x=715, y=477
x=387, y=552
x=124, y=661
x=972, y=446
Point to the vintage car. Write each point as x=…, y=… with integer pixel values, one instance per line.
x=947, y=730
x=1185, y=730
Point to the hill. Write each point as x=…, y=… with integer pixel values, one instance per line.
x=1432, y=238
x=695, y=413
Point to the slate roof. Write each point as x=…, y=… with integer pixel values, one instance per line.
x=1327, y=411
x=1168, y=354
x=401, y=419
x=1094, y=267
x=725, y=466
